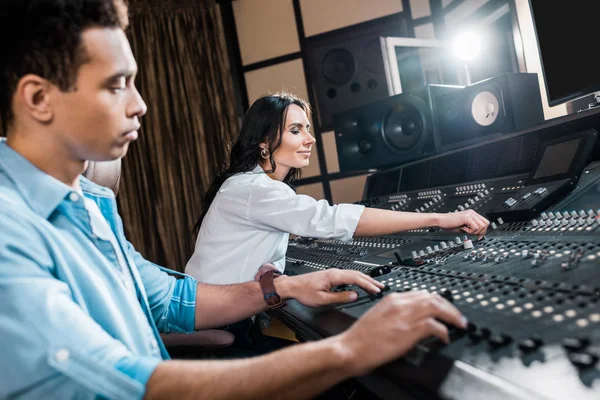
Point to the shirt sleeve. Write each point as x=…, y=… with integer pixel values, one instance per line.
x=172, y=301
x=49, y=341
x=275, y=206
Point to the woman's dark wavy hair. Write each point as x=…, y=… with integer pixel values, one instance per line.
x=264, y=122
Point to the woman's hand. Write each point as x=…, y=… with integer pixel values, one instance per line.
x=464, y=221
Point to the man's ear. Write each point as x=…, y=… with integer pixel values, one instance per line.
x=33, y=94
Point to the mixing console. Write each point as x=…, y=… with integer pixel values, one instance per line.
x=530, y=288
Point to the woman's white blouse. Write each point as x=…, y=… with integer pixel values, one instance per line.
x=249, y=222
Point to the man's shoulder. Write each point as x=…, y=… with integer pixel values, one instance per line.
x=16, y=217
x=11, y=200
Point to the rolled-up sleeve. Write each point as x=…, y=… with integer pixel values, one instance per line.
x=50, y=343
x=172, y=301
x=275, y=206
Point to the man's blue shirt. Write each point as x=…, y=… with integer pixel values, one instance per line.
x=69, y=326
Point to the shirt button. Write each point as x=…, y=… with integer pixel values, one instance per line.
x=62, y=355
x=74, y=197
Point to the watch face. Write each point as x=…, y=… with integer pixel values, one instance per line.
x=485, y=108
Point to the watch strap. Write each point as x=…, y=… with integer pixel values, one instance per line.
x=268, y=288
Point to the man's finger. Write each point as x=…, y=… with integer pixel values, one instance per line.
x=435, y=306
x=369, y=285
x=430, y=327
x=339, y=297
x=345, y=277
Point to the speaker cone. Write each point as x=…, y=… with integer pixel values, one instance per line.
x=404, y=127
x=485, y=108
x=338, y=66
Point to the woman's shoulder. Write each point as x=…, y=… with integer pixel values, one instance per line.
x=246, y=180
x=252, y=181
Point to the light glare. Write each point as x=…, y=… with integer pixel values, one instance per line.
x=466, y=46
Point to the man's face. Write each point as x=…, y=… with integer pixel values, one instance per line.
x=99, y=119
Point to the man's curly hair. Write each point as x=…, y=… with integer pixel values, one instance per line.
x=44, y=37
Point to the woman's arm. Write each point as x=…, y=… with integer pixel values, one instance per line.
x=273, y=205
x=375, y=222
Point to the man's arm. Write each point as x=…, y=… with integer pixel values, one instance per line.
x=298, y=372
x=301, y=371
x=220, y=305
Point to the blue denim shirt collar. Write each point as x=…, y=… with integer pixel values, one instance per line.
x=43, y=193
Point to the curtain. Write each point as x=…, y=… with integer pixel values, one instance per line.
x=184, y=80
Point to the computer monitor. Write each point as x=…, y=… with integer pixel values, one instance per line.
x=411, y=64
x=382, y=183
x=567, y=37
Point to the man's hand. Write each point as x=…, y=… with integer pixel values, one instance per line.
x=395, y=325
x=314, y=289
x=466, y=221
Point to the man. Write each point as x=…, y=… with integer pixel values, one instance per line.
x=80, y=309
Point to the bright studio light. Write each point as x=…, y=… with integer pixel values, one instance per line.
x=466, y=46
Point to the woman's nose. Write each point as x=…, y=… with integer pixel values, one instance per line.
x=310, y=140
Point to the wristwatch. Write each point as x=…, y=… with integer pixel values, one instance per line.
x=268, y=288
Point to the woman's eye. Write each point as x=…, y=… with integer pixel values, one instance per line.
x=295, y=132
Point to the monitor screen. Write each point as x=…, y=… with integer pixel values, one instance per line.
x=411, y=64
x=382, y=183
x=568, y=45
x=557, y=159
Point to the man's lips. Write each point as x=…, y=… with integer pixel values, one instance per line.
x=133, y=135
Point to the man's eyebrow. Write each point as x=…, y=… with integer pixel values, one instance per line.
x=125, y=73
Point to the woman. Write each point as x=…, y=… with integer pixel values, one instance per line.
x=250, y=210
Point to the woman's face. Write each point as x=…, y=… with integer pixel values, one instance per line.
x=296, y=141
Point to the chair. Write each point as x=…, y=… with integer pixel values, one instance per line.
x=108, y=174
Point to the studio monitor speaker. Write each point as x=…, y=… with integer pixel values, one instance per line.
x=503, y=104
x=346, y=66
x=388, y=132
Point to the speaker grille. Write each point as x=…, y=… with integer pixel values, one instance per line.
x=346, y=66
x=338, y=66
